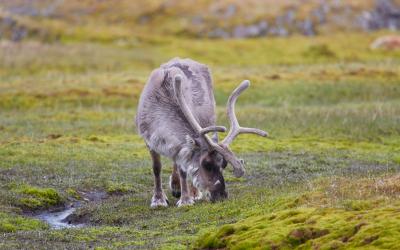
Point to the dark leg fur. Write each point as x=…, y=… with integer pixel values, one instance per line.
x=159, y=198
x=174, y=182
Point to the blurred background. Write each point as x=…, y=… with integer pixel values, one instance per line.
x=124, y=20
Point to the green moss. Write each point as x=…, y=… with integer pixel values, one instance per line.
x=118, y=188
x=396, y=159
x=73, y=193
x=324, y=228
x=12, y=223
x=357, y=205
x=94, y=138
x=34, y=198
x=319, y=51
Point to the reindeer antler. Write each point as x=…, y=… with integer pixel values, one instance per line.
x=188, y=114
x=235, y=129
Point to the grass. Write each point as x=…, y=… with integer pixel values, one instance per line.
x=331, y=106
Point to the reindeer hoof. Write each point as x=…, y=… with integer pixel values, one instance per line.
x=188, y=201
x=199, y=196
x=158, y=201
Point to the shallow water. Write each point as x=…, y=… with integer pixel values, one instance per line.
x=59, y=219
x=56, y=220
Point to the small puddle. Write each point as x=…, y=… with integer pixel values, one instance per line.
x=64, y=218
x=58, y=220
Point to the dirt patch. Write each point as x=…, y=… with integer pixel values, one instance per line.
x=355, y=231
x=370, y=239
x=301, y=235
x=53, y=136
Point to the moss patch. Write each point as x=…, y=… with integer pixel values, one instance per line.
x=12, y=223
x=119, y=188
x=35, y=198
x=309, y=228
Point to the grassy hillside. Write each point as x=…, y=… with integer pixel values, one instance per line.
x=128, y=21
x=330, y=104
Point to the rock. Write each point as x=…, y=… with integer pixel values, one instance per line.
x=10, y=29
x=325, y=7
x=35, y=8
x=197, y=20
x=320, y=15
x=230, y=11
x=337, y=3
x=278, y=31
x=306, y=27
x=289, y=17
x=223, y=12
x=144, y=19
x=18, y=33
x=386, y=42
x=8, y=22
x=254, y=30
x=385, y=15
x=24, y=10
x=240, y=31
x=218, y=33
x=263, y=26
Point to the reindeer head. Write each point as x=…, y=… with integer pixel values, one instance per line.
x=216, y=155
x=210, y=178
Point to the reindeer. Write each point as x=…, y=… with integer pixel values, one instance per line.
x=176, y=112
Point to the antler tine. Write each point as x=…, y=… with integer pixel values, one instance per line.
x=212, y=129
x=188, y=114
x=237, y=164
x=235, y=128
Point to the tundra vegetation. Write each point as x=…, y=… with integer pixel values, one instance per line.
x=327, y=177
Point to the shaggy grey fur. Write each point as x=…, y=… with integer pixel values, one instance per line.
x=160, y=120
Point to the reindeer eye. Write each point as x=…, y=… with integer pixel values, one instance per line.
x=224, y=163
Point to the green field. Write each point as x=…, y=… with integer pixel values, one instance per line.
x=327, y=178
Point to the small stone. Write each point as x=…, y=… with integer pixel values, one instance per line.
x=230, y=11
x=218, y=33
x=197, y=20
x=278, y=31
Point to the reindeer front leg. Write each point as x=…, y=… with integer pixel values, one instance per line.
x=186, y=196
x=175, y=182
x=159, y=198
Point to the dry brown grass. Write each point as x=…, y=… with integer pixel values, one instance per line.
x=337, y=191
